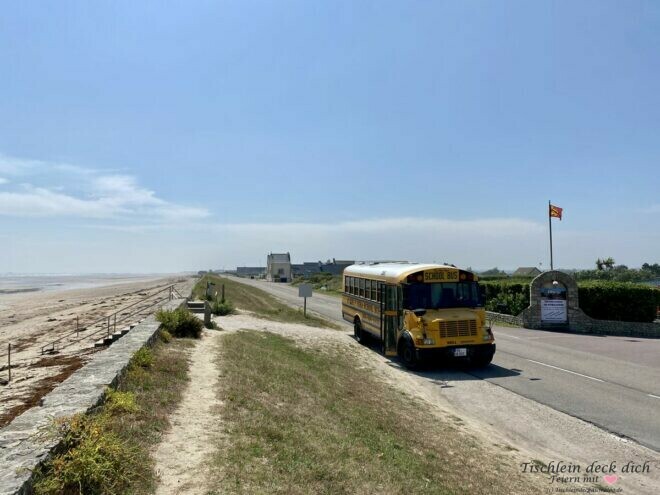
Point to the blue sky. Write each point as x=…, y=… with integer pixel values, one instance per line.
x=144, y=136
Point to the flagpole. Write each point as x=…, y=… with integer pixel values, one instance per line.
x=550, y=225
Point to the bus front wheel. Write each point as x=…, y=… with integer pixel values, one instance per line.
x=408, y=353
x=358, y=332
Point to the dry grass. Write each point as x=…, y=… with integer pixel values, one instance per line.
x=259, y=302
x=302, y=421
x=125, y=428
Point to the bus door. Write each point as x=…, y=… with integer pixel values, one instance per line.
x=390, y=305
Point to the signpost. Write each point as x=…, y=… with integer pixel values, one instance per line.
x=210, y=290
x=305, y=290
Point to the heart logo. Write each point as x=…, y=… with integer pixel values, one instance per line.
x=610, y=479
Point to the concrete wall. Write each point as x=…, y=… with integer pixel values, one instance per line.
x=583, y=323
x=496, y=318
x=24, y=443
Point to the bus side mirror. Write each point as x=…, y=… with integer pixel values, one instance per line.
x=419, y=312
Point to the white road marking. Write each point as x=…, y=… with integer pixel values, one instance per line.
x=567, y=371
x=655, y=396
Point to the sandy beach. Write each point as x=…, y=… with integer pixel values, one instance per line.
x=30, y=319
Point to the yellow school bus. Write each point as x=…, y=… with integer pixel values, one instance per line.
x=420, y=312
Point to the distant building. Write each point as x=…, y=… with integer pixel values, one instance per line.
x=526, y=271
x=278, y=267
x=336, y=267
x=306, y=269
x=309, y=268
x=250, y=271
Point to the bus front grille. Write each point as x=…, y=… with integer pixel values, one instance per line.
x=460, y=328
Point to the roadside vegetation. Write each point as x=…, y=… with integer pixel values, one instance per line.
x=180, y=323
x=304, y=421
x=602, y=300
x=257, y=301
x=107, y=451
x=322, y=282
x=606, y=269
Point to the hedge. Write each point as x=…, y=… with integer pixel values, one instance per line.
x=506, y=297
x=619, y=301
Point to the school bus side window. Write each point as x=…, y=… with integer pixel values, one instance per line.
x=367, y=289
x=353, y=286
x=361, y=286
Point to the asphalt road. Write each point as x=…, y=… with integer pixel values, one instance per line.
x=612, y=382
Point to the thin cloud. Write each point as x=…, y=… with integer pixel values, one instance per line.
x=106, y=196
x=465, y=242
x=652, y=209
x=3, y=181
x=16, y=166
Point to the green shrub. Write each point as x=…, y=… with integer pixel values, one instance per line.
x=181, y=323
x=165, y=336
x=508, y=303
x=506, y=297
x=120, y=402
x=143, y=358
x=94, y=460
x=619, y=301
x=222, y=308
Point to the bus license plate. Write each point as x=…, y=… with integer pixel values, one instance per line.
x=460, y=352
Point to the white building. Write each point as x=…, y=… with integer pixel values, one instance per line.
x=278, y=267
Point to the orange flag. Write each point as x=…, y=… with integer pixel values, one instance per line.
x=556, y=211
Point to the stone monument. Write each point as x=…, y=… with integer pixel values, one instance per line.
x=554, y=302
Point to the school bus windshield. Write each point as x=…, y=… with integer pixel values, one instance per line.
x=441, y=295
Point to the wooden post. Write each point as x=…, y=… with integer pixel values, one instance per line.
x=305, y=307
x=108, y=326
x=9, y=361
x=223, y=292
x=114, y=327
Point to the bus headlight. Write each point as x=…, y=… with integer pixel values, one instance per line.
x=429, y=342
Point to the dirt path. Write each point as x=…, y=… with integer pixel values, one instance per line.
x=181, y=456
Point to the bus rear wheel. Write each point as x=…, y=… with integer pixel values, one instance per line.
x=408, y=353
x=360, y=335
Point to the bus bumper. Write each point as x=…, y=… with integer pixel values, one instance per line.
x=441, y=354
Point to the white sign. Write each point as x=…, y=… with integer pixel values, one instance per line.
x=304, y=290
x=553, y=310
